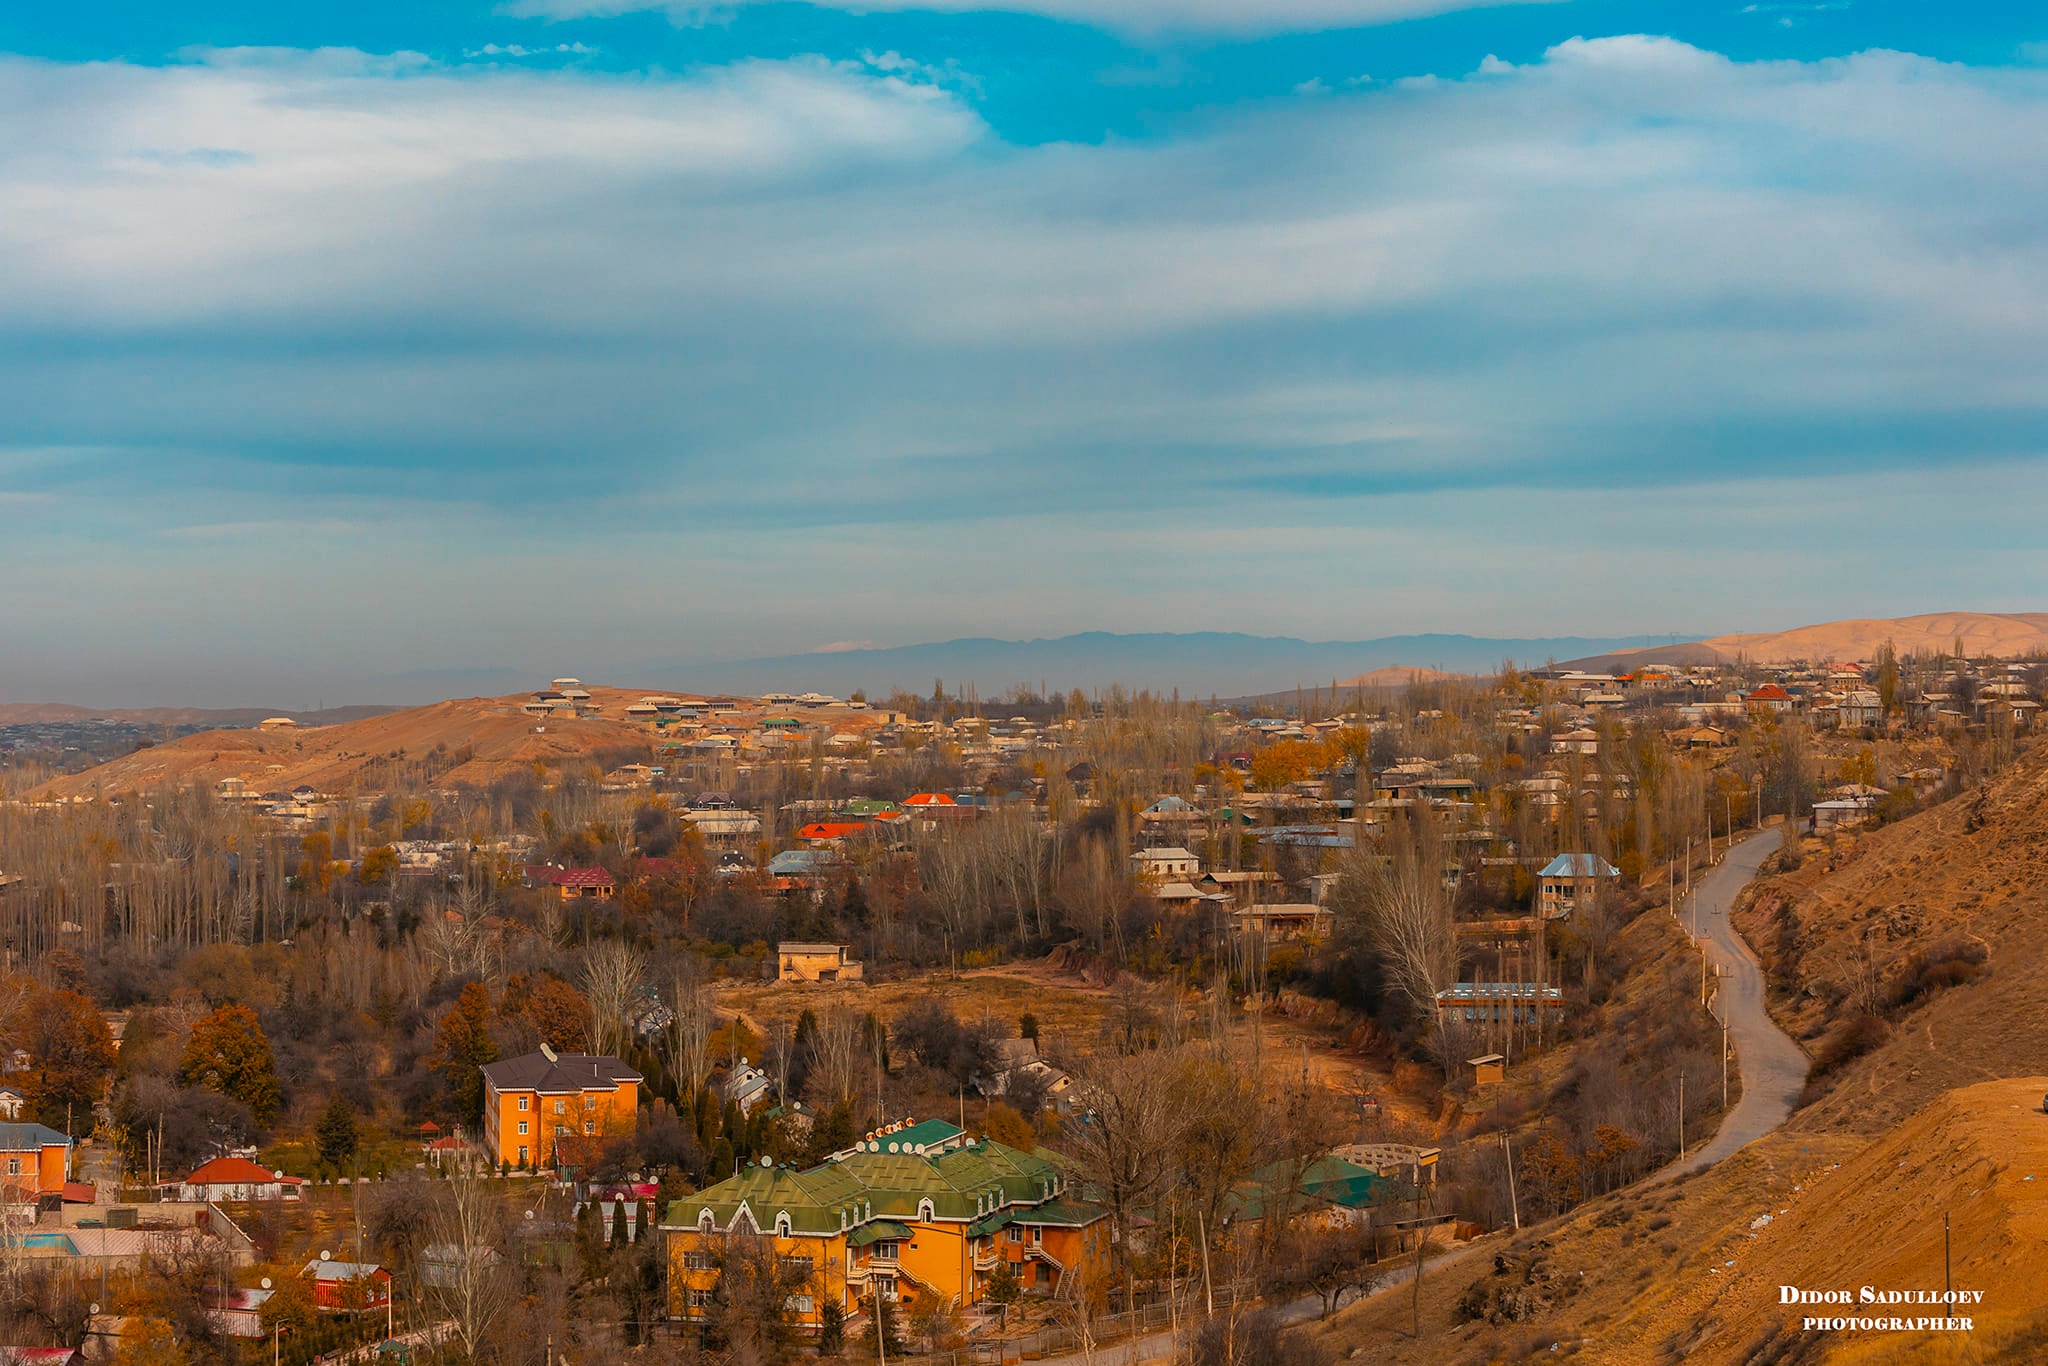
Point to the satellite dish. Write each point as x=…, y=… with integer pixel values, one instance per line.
x=325, y=1255
x=266, y=1282
x=95, y=1307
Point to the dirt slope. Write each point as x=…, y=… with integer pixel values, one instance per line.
x=1692, y=1271
x=1967, y=877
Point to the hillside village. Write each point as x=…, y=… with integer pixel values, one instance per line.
x=640, y=1024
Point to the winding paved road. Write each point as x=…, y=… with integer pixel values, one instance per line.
x=1773, y=1067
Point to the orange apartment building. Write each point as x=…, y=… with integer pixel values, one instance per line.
x=912, y=1211
x=543, y=1103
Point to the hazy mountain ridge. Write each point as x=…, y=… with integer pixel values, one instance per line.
x=1198, y=663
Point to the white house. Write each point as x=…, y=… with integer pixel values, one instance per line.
x=1172, y=864
x=234, y=1178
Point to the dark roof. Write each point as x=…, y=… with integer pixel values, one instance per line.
x=559, y=1073
x=25, y=1138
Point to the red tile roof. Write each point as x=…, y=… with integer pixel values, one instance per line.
x=929, y=799
x=237, y=1171
x=567, y=877
x=831, y=830
x=1770, y=692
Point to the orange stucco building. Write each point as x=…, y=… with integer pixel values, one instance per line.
x=34, y=1159
x=912, y=1212
x=545, y=1104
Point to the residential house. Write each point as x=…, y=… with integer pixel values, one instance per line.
x=1772, y=698
x=746, y=1086
x=234, y=1178
x=573, y=883
x=910, y=1214
x=1172, y=864
x=347, y=1287
x=535, y=1102
x=1579, y=741
x=816, y=963
x=1493, y=1003
x=1285, y=920
x=1566, y=877
x=34, y=1159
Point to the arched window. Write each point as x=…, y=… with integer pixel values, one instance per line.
x=924, y=1211
x=705, y=1223
x=782, y=1224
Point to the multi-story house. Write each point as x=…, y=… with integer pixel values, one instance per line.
x=541, y=1102
x=911, y=1212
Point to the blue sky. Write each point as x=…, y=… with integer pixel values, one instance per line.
x=339, y=342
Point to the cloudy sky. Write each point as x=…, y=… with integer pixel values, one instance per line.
x=340, y=342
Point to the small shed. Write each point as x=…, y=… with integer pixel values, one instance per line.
x=1489, y=1069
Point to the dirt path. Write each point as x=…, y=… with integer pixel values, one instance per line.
x=1773, y=1067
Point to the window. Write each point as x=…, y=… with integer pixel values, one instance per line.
x=522, y=1103
x=14, y=1166
x=700, y=1299
x=697, y=1261
x=1016, y=1234
x=1044, y=1274
x=590, y=1102
x=1037, y=1236
x=802, y=1264
x=885, y=1252
x=522, y=1155
x=797, y=1304
x=560, y=1105
x=588, y=1127
x=522, y=1128
x=561, y=1131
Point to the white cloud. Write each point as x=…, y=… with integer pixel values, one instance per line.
x=784, y=324
x=1129, y=16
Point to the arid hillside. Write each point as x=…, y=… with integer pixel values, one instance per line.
x=1915, y=957
x=1690, y=1270
x=465, y=741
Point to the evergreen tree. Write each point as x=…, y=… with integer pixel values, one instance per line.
x=228, y=1053
x=336, y=1133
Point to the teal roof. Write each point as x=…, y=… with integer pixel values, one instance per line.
x=1325, y=1182
x=927, y=1132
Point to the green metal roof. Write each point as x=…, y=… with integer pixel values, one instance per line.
x=981, y=1228
x=1062, y=1214
x=967, y=1185
x=882, y=1230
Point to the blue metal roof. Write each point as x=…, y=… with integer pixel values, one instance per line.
x=1579, y=865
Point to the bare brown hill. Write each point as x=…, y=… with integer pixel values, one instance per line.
x=1691, y=1271
x=1929, y=938
x=2001, y=635
x=469, y=741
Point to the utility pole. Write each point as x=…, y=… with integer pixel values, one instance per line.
x=1724, y=1061
x=1681, y=1114
x=1514, y=1205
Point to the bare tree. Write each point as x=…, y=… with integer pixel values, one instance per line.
x=1407, y=914
x=472, y=1287
x=611, y=980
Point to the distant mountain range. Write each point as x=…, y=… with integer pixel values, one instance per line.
x=213, y=718
x=1199, y=663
